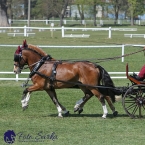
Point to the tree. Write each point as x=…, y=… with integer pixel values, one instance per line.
x=3, y=13
x=132, y=5
x=60, y=7
x=43, y=9
x=49, y=8
x=80, y=7
x=136, y=7
x=117, y=6
x=93, y=4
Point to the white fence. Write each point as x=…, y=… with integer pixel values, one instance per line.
x=119, y=75
x=99, y=46
x=63, y=29
x=65, y=21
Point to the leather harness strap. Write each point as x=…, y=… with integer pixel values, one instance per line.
x=39, y=64
x=52, y=77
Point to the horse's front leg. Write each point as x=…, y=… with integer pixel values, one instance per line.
x=61, y=109
x=26, y=94
x=25, y=99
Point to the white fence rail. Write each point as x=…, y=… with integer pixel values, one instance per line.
x=27, y=29
x=99, y=46
x=118, y=75
x=65, y=21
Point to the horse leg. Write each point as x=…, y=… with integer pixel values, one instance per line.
x=101, y=99
x=60, y=108
x=26, y=94
x=25, y=99
x=80, y=104
x=115, y=113
x=103, y=106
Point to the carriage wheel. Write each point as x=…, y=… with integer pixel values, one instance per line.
x=134, y=101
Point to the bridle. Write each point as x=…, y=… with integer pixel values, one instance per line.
x=19, y=58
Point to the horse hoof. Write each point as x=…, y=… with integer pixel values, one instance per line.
x=67, y=113
x=103, y=117
x=25, y=107
x=80, y=111
x=115, y=113
x=60, y=116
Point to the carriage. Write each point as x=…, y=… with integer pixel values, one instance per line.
x=49, y=74
x=133, y=100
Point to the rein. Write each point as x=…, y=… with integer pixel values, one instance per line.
x=117, y=57
x=104, y=59
x=101, y=60
x=52, y=79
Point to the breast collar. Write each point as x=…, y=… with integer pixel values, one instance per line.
x=39, y=64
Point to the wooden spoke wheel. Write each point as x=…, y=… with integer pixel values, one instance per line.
x=134, y=101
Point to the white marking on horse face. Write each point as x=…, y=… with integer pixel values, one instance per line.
x=16, y=70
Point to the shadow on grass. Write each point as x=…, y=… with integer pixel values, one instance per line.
x=88, y=115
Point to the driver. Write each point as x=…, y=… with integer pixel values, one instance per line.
x=141, y=75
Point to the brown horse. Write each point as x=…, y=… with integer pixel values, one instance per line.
x=49, y=74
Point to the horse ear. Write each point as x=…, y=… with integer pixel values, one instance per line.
x=24, y=43
x=18, y=50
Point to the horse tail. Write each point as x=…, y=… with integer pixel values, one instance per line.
x=107, y=82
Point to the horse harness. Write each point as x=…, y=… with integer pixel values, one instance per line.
x=52, y=77
x=35, y=70
x=37, y=65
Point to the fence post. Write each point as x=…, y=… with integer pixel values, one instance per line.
x=62, y=30
x=25, y=31
x=122, y=52
x=17, y=77
x=46, y=22
x=109, y=32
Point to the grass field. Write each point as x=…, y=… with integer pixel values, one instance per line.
x=40, y=120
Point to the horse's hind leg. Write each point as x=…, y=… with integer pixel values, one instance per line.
x=115, y=113
x=80, y=104
x=101, y=99
x=60, y=108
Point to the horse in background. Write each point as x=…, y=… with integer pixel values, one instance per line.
x=49, y=74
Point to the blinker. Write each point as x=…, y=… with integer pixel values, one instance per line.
x=17, y=57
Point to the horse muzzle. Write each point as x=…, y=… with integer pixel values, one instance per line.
x=16, y=70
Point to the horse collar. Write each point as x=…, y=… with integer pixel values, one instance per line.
x=39, y=64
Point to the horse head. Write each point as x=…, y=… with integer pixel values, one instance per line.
x=19, y=61
x=27, y=55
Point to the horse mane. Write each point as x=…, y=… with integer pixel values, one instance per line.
x=37, y=49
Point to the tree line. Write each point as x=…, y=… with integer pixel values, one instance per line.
x=10, y=9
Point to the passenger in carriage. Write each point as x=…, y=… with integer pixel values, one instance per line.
x=141, y=75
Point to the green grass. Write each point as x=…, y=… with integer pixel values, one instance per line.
x=87, y=128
